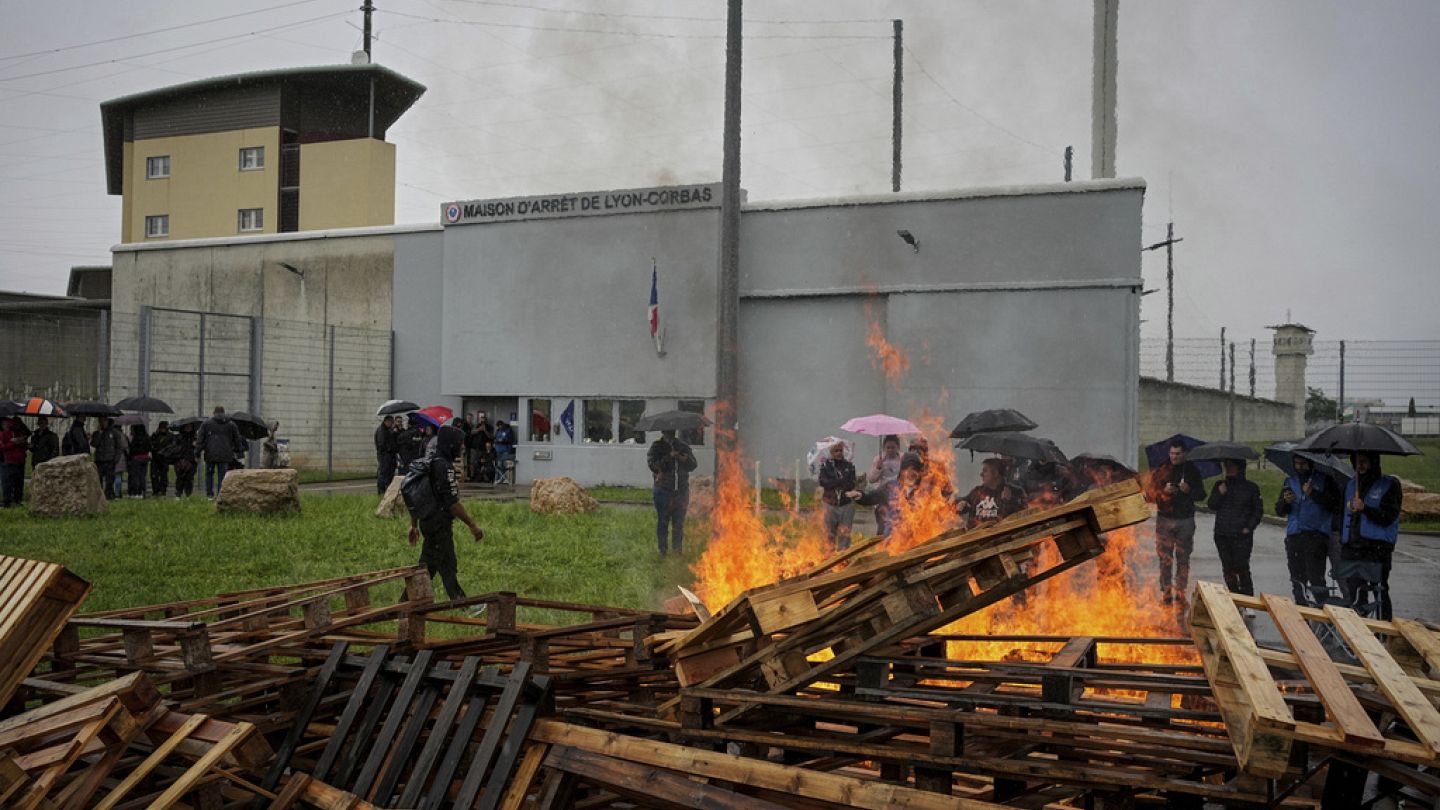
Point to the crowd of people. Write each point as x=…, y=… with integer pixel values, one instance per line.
x=487, y=452
x=133, y=463
x=1352, y=527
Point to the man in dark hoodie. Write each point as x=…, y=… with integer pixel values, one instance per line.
x=110, y=446
x=1308, y=501
x=671, y=461
x=385, y=453
x=436, y=522
x=1370, y=526
x=76, y=441
x=218, y=439
x=993, y=499
x=1175, y=486
x=44, y=444
x=1238, y=509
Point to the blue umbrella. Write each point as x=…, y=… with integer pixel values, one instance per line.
x=1281, y=454
x=1159, y=453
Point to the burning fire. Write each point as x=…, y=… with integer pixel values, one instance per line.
x=1116, y=596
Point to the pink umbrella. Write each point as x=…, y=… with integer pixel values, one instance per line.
x=879, y=424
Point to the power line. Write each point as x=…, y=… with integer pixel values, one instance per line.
x=612, y=32
x=172, y=49
x=919, y=65
x=168, y=29
x=683, y=18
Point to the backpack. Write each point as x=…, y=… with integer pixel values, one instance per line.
x=419, y=492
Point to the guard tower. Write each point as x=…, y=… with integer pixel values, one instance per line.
x=297, y=149
x=1292, y=347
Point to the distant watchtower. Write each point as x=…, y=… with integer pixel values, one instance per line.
x=1292, y=346
x=282, y=150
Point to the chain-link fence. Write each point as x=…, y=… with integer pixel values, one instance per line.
x=1383, y=376
x=322, y=383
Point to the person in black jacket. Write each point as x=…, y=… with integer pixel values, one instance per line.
x=182, y=455
x=161, y=458
x=437, y=527
x=410, y=443
x=838, y=493
x=671, y=461
x=44, y=444
x=994, y=498
x=1238, y=509
x=1175, y=486
x=385, y=453
x=218, y=440
x=76, y=441
x=137, y=461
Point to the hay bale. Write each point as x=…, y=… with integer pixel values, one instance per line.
x=560, y=496
x=392, y=503
x=64, y=486
x=261, y=492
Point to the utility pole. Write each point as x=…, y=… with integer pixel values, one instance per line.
x=1232, y=391
x=1222, y=358
x=727, y=369
x=1340, y=403
x=1069, y=161
x=1169, y=245
x=1252, y=368
x=368, y=8
x=896, y=99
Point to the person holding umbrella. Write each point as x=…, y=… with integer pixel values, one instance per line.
x=76, y=441
x=1175, y=486
x=671, y=461
x=110, y=447
x=1371, y=525
x=385, y=453
x=1308, y=501
x=1238, y=510
x=994, y=498
x=44, y=444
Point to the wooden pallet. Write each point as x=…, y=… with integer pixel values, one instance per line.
x=791, y=634
x=35, y=600
x=383, y=746
x=1259, y=690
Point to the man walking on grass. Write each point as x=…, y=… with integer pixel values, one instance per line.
x=219, y=437
x=433, y=495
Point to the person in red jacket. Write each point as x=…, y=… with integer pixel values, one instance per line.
x=14, y=445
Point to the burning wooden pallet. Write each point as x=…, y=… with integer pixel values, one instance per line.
x=791, y=634
x=38, y=598
x=1383, y=709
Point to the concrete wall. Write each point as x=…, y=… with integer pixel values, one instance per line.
x=1020, y=300
x=206, y=188
x=347, y=184
x=540, y=307
x=1168, y=408
x=418, y=306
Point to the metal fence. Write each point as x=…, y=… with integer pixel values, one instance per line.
x=322, y=383
x=1374, y=373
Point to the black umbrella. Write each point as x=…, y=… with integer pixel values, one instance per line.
x=186, y=420
x=1223, y=451
x=145, y=404
x=1358, y=437
x=91, y=408
x=9, y=408
x=131, y=419
x=396, y=406
x=1099, y=461
x=672, y=420
x=995, y=420
x=251, y=426
x=1015, y=445
x=1282, y=455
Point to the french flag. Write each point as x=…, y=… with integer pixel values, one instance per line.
x=654, y=315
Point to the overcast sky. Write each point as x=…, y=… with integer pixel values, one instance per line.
x=1294, y=143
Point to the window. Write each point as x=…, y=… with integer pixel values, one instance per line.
x=157, y=167
x=630, y=412
x=599, y=420
x=252, y=219
x=695, y=437
x=158, y=225
x=540, y=420
x=252, y=158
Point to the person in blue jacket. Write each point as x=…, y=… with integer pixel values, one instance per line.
x=1371, y=525
x=1309, y=501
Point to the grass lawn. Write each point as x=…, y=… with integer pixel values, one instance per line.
x=769, y=498
x=308, y=476
x=151, y=551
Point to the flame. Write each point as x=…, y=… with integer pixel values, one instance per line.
x=885, y=356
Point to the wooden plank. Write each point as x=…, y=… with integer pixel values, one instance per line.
x=464, y=733
x=524, y=777
x=1344, y=709
x=1392, y=681
x=301, y=720
x=358, y=699
x=1265, y=700
x=830, y=787
x=381, y=742
x=396, y=761
x=779, y=612
x=192, y=776
x=653, y=785
x=150, y=763
x=454, y=701
x=1423, y=640
x=510, y=750
x=489, y=746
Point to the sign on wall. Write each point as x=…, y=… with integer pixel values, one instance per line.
x=583, y=204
